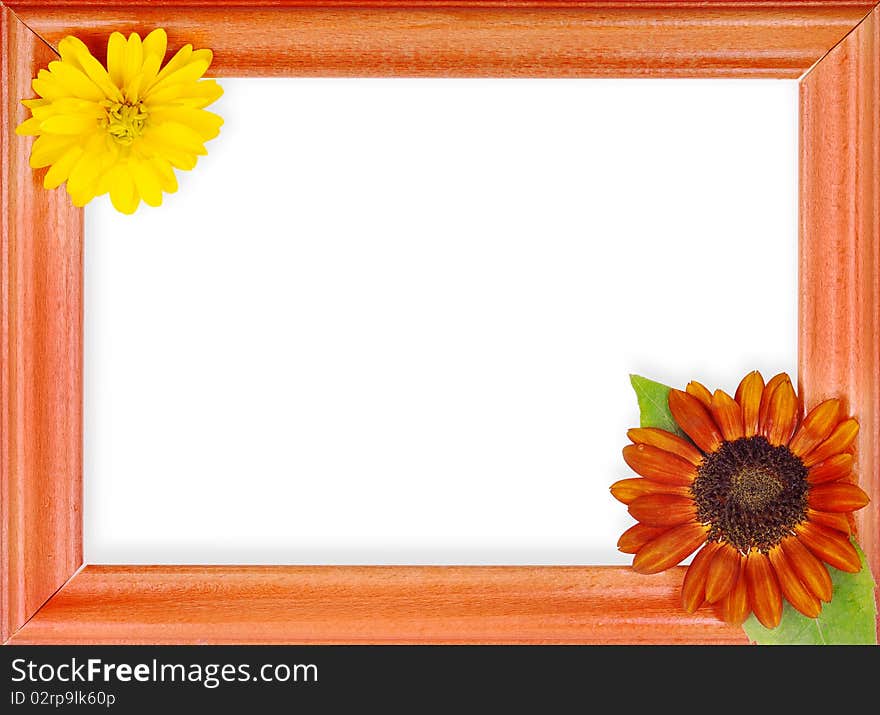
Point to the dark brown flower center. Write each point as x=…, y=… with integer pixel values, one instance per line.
x=754, y=488
x=751, y=493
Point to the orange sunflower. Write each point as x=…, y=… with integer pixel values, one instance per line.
x=764, y=496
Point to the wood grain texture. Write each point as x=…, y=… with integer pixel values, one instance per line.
x=839, y=303
x=40, y=356
x=371, y=604
x=529, y=39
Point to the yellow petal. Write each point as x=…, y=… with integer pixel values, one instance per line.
x=70, y=48
x=143, y=79
x=134, y=63
x=80, y=200
x=156, y=44
x=203, y=93
x=75, y=81
x=132, y=88
x=74, y=51
x=172, y=95
x=165, y=174
x=204, y=55
x=48, y=148
x=69, y=106
x=60, y=170
x=179, y=159
x=195, y=94
x=190, y=72
x=48, y=87
x=28, y=128
x=116, y=57
x=152, y=147
x=180, y=58
x=83, y=180
x=123, y=194
x=83, y=197
x=146, y=182
x=206, y=124
x=179, y=136
x=69, y=124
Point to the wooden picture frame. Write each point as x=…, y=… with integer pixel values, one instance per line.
x=50, y=596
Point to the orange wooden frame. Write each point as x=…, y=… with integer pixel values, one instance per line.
x=49, y=595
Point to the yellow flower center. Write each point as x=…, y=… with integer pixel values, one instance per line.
x=125, y=122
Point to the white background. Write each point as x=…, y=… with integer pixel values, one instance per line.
x=392, y=321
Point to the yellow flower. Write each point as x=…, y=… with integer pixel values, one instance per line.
x=121, y=129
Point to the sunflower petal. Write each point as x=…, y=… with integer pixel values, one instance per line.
x=810, y=570
x=666, y=441
x=795, y=592
x=830, y=546
x=670, y=548
x=628, y=490
x=841, y=440
x=658, y=464
x=748, y=395
x=735, y=606
x=816, y=427
x=728, y=415
x=837, y=467
x=700, y=391
x=663, y=509
x=836, y=520
x=694, y=419
x=765, y=596
x=723, y=573
x=767, y=394
x=636, y=537
x=837, y=497
x=782, y=414
x=693, y=588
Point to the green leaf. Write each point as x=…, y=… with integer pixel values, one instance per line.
x=653, y=400
x=850, y=618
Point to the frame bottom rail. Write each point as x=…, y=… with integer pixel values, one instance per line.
x=371, y=604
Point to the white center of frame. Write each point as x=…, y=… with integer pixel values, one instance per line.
x=392, y=321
